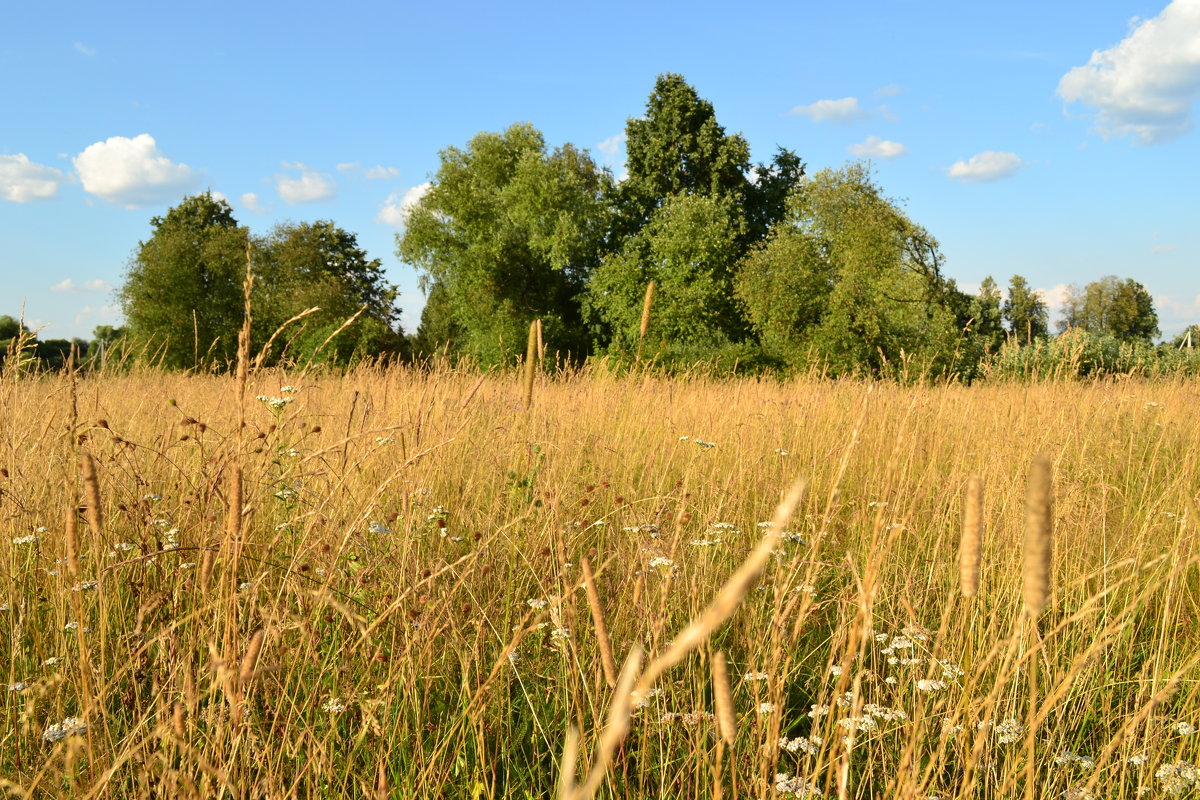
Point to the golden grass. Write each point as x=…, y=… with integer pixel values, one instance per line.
x=402, y=552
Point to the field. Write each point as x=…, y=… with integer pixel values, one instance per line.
x=391, y=601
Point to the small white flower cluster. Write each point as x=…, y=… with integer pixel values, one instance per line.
x=863, y=723
x=19, y=686
x=1184, y=728
x=71, y=726
x=884, y=713
x=642, y=699
x=704, y=542
x=688, y=718
x=334, y=705
x=1008, y=731
x=1066, y=757
x=926, y=685
x=52, y=661
x=384, y=439
x=30, y=539
x=661, y=562
x=766, y=708
x=809, y=745
x=536, y=603
x=649, y=528
x=1178, y=777
x=704, y=444
x=755, y=676
x=288, y=390
x=275, y=403
x=378, y=527
x=84, y=586
x=797, y=785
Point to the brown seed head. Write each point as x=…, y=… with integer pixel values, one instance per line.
x=723, y=698
x=1038, y=545
x=971, y=544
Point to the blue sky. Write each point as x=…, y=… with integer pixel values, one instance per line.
x=1052, y=140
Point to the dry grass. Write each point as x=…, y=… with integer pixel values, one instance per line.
x=378, y=588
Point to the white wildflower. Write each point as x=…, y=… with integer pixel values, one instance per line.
x=18, y=686
x=1184, y=728
x=71, y=726
x=797, y=785
x=766, y=708
x=661, y=561
x=1178, y=777
x=755, y=676
x=1009, y=731
x=925, y=685
x=334, y=705
x=31, y=539
x=378, y=527
x=801, y=744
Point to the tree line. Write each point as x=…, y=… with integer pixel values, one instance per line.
x=761, y=265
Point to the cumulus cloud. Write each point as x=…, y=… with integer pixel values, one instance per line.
x=376, y=173
x=132, y=172
x=1055, y=297
x=874, y=147
x=398, y=206
x=68, y=285
x=1145, y=85
x=611, y=146
x=837, y=111
x=1163, y=248
x=989, y=165
x=891, y=90
x=250, y=200
x=309, y=186
x=100, y=314
x=380, y=173
x=22, y=180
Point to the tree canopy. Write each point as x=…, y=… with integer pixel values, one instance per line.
x=183, y=294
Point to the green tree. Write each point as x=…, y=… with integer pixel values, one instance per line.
x=688, y=210
x=182, y=295
x=1121, y=308
x=1025, y=312
x=687, y=249
x=511, y=231
x=319, y=265
x=987, y=313
x=849, y=279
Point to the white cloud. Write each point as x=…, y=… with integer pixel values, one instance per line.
x=379, y=173
x=132, y=172
x=1180, y=308
x=612, y=146
x=68, y=285
x=1145, y=85
x=101, y=315
x=376, y=173
x=1056, y=296
x=22, y=180
x=837, y=111
x=397, y=207
x=310, y=187
x=1163, y=248
x=220, y=197
x=83, y=48
x=250, y=201
x=891, y=90
x=874, y=147
x=989, y=165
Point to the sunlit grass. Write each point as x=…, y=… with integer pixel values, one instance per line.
x=411, y=548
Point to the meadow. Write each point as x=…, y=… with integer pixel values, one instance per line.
x=413, y=583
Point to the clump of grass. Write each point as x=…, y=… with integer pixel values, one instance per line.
x=417, y=632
